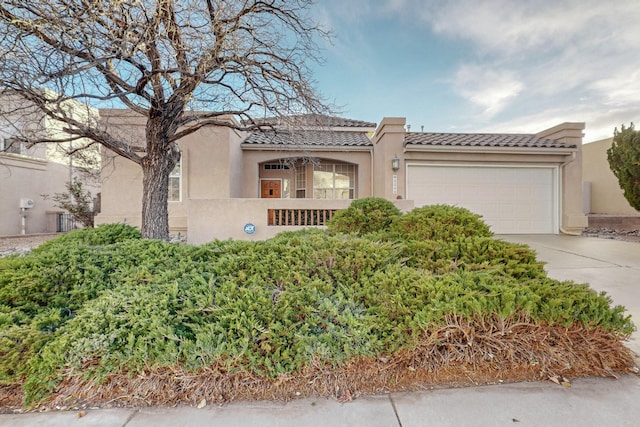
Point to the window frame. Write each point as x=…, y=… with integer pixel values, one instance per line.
x=301, y=182
x=351, y=173
x=3, y=146
x=173, y=176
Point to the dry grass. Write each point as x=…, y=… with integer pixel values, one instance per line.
x=461, y=353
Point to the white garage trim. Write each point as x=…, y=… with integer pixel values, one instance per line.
x=512, y=198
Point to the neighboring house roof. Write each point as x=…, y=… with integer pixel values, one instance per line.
x=315, y=121
x=482, y=140
x=307, y=138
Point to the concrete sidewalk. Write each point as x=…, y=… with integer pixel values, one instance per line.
x=608, y=265
x=589, y=402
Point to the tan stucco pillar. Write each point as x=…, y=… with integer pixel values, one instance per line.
x=388, y=142
x=572, y=218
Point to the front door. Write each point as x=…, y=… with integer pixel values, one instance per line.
x=270, y=189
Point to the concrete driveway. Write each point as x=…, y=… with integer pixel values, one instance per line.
x=606, y=265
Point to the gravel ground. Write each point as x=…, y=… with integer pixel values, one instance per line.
x=608, y=233
x=23, y=244
x=9, y=245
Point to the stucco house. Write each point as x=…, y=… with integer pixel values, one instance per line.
x=297, y=173
x=28, y=172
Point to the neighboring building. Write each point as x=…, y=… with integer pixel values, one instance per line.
x=30, y=173
x=605, y=196
x=296, y=174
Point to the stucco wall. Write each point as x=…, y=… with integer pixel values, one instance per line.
x=572, y=218
x=225, y=219
x=606, y=195
x=388, y=141
x=210, y=160
x=42, y=169
x=24, y=177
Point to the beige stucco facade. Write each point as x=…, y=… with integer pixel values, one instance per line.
x=572, y=217
x=210, y=169
x=28, y=177
x=37, y=172
x=389, y=142
x=606, y=197
x=222, y=176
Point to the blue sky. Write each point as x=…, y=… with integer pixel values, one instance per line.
x=484, y=65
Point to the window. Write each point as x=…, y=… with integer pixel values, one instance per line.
x=175, y=183
x=301, y=182
x=276, y=166
x=286, y=189
x=11, y=145
x=334, y=181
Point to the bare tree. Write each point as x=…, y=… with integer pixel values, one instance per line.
x=180, y=64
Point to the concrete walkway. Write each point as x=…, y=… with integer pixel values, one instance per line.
x=607, y=265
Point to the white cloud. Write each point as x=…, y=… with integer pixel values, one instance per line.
x=488, y=89
x=508, y=26
x=622, y=88
x=576, y=58
x=599, y=124
x=528, y=64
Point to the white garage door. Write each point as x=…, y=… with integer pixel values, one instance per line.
x=512, y=200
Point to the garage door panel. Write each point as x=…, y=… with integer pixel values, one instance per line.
x=512, y=200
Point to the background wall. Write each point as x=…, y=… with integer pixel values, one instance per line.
x=606, y=195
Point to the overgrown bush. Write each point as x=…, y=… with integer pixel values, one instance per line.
x=269, y=309
x=43, y=290
x=104, y=234
x=368, y=215
x=472, y=254
x=439, y=222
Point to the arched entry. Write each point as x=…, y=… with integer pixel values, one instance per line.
x=304, y=178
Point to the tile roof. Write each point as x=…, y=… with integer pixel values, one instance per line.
x=482, y=140
x=309, y=138
x=314, y=120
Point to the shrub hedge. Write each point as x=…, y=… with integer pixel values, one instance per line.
x=367, y=215
x=269, y=308
x=439, y=222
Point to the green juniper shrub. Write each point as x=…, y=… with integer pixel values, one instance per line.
x=472, y=254
x=43, y=290
x=267, y=308
x=439, y=222
x=367, y=215
x=104, y=234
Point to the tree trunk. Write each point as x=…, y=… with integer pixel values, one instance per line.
x=155, y=191
x=157, y=165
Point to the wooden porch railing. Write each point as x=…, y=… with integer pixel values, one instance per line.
x=299, y=217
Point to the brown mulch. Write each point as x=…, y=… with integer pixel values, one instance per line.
x=462, y=353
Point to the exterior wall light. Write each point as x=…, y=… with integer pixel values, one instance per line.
x=395, y=163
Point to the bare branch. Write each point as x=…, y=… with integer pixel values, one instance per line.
x=180, y=65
